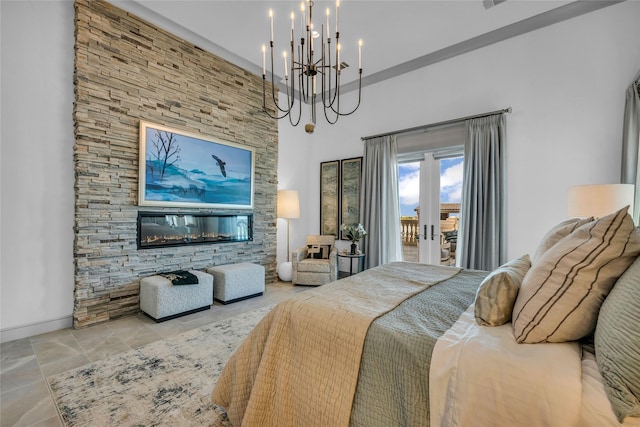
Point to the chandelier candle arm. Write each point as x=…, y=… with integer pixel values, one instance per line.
x=306, y=70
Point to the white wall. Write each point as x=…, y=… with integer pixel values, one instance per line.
x=37, y=199
x=565, y=84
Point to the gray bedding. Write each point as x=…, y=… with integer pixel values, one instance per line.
x=393, y=382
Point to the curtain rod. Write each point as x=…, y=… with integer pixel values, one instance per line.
x=438, y=124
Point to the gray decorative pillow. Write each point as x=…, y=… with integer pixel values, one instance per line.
x=498, y=291
x=557, y=233
x=617, y=343
x=562, y=293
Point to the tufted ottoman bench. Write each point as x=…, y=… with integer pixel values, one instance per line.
x=235, y=282
x=161, y=300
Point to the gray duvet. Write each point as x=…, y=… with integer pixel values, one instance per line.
x=393, y=381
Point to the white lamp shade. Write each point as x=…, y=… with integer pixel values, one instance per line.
x=288, y=204
x=599, y=200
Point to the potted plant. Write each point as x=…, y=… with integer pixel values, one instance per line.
x=353, y=233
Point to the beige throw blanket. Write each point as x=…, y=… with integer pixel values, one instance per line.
x=299, y=366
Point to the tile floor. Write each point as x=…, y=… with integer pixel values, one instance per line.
x=26, y=363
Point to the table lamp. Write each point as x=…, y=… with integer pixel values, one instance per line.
x=599, y=200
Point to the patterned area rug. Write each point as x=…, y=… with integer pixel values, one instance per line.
x=166, y=383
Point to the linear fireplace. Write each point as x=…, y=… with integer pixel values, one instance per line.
x=160, y=229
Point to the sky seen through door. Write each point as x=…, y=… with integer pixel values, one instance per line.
x=409, y=184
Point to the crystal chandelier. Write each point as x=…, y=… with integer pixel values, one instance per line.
x=302, y=69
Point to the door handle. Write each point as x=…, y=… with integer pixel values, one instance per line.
x=432, y=230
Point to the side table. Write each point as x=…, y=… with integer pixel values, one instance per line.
x=351, y=257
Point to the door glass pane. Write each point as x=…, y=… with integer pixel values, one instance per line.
x=450, y=195
x=409, y=189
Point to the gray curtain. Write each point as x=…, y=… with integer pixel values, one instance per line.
x=380, y=213
x=482, y=237
x=631, y=144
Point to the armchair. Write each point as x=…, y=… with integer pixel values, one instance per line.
x=317, y=263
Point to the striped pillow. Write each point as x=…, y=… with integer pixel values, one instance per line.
x=562, y=293
x=558, y=232
x=498, y=291
x=617, y=343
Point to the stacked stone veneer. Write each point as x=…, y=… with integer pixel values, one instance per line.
x=127, y=70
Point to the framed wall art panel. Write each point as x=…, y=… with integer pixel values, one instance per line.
x=330, y=197
x=350, y=183
x=182, y=169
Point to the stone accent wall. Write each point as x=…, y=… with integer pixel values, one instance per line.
x=127, y=70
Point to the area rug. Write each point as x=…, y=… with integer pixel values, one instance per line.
x=165, y=383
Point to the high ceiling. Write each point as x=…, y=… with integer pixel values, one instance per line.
x=397, y=35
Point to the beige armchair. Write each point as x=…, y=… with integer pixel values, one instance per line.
x=316, y=263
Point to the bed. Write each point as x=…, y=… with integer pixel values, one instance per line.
x=418, y=345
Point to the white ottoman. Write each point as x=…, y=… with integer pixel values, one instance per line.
x=235, y=282
x=161, y=300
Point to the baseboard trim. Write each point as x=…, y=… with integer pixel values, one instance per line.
x=19, y=332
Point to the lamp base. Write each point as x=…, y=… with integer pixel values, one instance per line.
x=285, y=271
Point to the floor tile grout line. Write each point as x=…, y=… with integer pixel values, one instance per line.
x=46, y=382
x=53, y=402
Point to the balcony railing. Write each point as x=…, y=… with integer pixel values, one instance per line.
x=409, y=229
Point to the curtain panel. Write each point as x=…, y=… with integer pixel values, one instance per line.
x=482, y=242
x=631, y=144
x=380, y=201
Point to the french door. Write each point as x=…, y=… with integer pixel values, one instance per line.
x=429, y=218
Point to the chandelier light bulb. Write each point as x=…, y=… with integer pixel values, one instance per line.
x=286, y=67
x=271, y=19
x=328, y=29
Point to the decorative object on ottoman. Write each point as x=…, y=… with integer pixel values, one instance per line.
x=235, y=282
x=180, y=277
x=284, y=271
x=161, y=300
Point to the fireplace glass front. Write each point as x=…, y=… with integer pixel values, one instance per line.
x=159, y=229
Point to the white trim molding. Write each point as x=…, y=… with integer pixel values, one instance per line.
x=19, y=332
